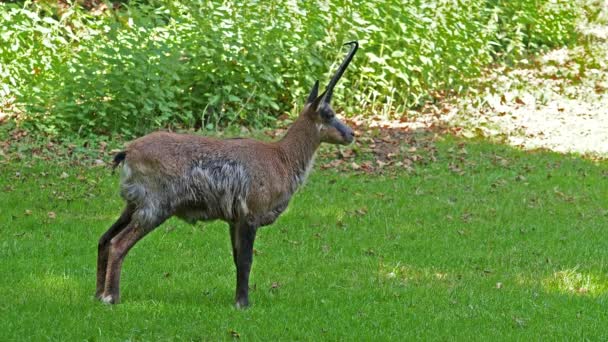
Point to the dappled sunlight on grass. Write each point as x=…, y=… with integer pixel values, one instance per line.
x=55, y=282
x=58, y=286
x=570, y=281
x=573, y=281
x=525, y=280
x=406, y=274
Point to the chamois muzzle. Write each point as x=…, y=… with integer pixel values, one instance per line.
x=347, y=135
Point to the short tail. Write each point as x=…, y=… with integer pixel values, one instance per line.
x=118, y=158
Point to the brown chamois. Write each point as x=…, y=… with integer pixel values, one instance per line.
x=244, y=182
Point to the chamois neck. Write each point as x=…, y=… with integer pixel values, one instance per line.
x=300, y=144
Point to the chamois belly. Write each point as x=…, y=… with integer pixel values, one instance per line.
x=193, y=213
x=207, y=190
x=227, y=209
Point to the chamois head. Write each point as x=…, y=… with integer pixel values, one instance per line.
x=318, y=108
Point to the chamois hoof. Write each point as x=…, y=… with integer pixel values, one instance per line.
x=241, y=304
x=109, y=299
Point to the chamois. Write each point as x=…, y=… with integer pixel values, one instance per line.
x=244, y=182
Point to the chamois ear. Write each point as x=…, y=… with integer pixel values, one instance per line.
x=313, y=93
x=316, y=102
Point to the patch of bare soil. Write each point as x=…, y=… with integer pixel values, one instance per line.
x=557, y=102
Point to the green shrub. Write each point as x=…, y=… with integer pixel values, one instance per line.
x=165, y=63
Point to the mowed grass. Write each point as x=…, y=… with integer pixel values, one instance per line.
x=486, y=242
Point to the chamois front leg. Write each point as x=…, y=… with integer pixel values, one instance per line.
x=244, y=239
x=233, y=242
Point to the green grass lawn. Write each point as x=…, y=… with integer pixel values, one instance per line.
x=504, y=245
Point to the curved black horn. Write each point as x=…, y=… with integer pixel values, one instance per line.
x=334, y=80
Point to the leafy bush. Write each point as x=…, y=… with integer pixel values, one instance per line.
x=66, y=70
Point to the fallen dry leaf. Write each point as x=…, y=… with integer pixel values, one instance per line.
x=275, y=286
x=455, y=168
x=234, y=334
x=361, y=211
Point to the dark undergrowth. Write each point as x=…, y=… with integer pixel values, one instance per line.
x=69, y=69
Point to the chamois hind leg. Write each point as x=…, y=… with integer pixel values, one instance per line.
x=104, y=245
x=119, y=247
x=244, y=239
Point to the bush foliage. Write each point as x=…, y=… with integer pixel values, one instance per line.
x=69, y=70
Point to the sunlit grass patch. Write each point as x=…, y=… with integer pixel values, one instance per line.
x=410, y=275
x=56, y=287
x=573, y=281
x=53, y=284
